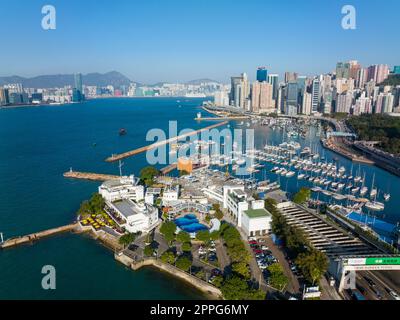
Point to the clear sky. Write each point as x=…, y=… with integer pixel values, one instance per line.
x=180, y=40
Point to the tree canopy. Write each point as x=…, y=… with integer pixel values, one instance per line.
x=183, y=263
x=168, y=229
x=378, y=127
x=313, y=264
x=235, y=288
x=302, y=196
x=147, y=175
x=278, y=280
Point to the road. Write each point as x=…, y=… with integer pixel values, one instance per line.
x=382, y=284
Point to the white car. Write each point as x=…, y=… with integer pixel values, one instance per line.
x=394, y=295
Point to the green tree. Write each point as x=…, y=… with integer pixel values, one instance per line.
x=186, y=247
x=242, y=269
x=236, y=288
x=214, y=235
x=217, y=281
x=126, y=239
x=302, y=196
x=148, y=251
x=168, y=257
x=203, y=235
x=183, y=237
x=147, y=175
x=313, y=264
x=183, y=263
x=168, y=229
x=277, y=278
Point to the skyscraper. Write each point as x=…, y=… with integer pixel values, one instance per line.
x=261, y=97
x=240, y=91
x=343, y=70
x=378, y=73
x=273, y=79
x=292, y=98
x=77, y=91
x=290, y=76
x=315, y=95
x=396, y=69
x=306, y=105
x=262, y=74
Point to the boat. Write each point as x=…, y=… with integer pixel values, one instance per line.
x=375, y=205
x=122, y=132
x=386, y=196
x=290, y=174
x=363, y=191
x=374, y=191
x=301, y=176
x=355, y=190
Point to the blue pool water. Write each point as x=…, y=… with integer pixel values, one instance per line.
x=189, y=223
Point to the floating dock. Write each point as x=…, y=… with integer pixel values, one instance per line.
x=90, y=176
x=13, y=242
x=117, y=157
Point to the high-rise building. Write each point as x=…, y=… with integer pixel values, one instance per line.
x=262, y=74
x=274, y=80
x=396, y=69
x=77, y=91
x=343, y=70
x=261, y=97
x=316, y=95
x=362, y=77
x=290, y=76
x=384, y=103
x=327, y=101
x=363, y=105
x=344, y=102
x=221, y=98
x=378, y=73
x=4, y=98
x=306, y=106
x=353, y=69
x=240, y=91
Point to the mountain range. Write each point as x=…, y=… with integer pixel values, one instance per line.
x=113, y=78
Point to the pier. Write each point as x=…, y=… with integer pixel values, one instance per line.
x=90, y=176
x=30, y=238
x=169, y=168
x=117, y=157
x=222, y=118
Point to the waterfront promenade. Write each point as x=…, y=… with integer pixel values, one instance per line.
x=90, y=176
x=202, y=285
x=30, y=238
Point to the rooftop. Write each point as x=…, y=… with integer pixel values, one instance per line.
x=257, y=213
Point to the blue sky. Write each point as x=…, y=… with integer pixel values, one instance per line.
x=180, y=40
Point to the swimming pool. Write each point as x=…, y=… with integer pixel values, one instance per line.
x=189, y=223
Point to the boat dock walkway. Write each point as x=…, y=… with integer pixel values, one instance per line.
x=169, y=168
x=223, y=118
x=13, y=242
x=117, y=157
x=90, y=176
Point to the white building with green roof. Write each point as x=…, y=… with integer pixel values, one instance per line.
x=256, y=222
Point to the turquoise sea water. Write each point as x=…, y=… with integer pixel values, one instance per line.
x=38, y=144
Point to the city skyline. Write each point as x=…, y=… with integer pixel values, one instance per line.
x=171, y=42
